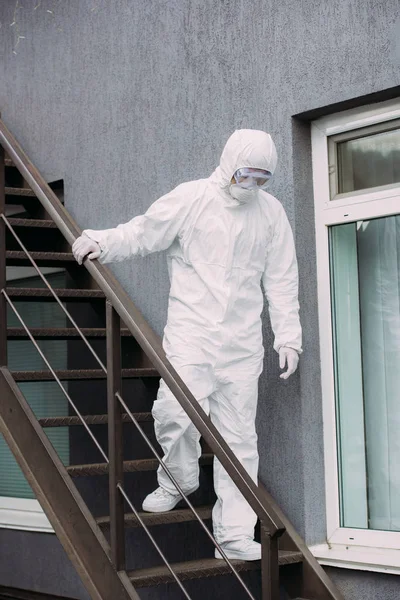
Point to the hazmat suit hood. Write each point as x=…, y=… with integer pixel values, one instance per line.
x=244, y=148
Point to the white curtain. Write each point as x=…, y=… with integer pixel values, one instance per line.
x=379, y=288
x=365, y=287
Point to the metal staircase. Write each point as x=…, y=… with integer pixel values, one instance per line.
x=39, y=233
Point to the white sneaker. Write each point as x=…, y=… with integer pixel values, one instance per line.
x=245, y=549
x=162, y=501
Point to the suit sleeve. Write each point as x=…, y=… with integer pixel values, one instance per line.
x=280, y=282
x=153, y=231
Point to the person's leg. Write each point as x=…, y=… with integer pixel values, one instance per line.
x=233, y=410
x=177, y=435
x=179, y=440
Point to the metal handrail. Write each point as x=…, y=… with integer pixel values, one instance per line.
x=144, y=436
x=145, y=336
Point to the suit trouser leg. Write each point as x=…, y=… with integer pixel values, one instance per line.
x=233, y=410
x=179, y=440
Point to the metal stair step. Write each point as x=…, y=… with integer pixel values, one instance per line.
x=7, y=593
x=141, y=417
x=43, y=294
x=196, y=569
x=151, y=519
x=60, y=333
x=13, y=192
x=42, y=223
x=130, y=466
x=48, y=259
x=72, y=374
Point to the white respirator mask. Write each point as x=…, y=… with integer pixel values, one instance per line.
x=242, y=195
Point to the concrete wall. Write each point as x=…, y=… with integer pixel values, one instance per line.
x=124, y=100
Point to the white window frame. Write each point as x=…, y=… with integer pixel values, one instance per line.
x=345, y=547
x=24, y=514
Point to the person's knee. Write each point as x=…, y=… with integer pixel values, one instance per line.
x=171, y=421
x=243, y=443
x=247, y=452
x=165, y=410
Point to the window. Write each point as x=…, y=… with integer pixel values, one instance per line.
x=356, y=164
x=18, y=506
x=364, y=159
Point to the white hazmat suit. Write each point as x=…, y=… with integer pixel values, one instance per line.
x=219, y=250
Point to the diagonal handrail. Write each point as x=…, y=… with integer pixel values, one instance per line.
x=146, y=338
x=120, y=399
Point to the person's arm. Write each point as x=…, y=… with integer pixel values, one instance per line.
x=153, y=231
x=280, y=281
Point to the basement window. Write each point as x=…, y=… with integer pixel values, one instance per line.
x=18, y=507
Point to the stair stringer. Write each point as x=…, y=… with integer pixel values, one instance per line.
x=73, y=524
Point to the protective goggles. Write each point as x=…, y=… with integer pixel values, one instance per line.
x=252, y=178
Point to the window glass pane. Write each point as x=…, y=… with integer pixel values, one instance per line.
x=44, y=397
x=370, y=161
x=348, y=376
x=365, y=279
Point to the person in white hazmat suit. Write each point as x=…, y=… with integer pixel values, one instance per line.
x=224, y=236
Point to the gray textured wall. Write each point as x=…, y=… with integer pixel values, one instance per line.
x=368, y=586
x=124, y=100
x=22, y=565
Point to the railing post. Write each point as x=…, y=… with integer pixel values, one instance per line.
x=3, y=302
x=115, y=445
x=269, y=565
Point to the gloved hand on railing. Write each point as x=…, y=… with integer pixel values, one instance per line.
x=291, y=358
x=84, y=246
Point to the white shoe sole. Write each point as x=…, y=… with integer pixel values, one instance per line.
x=166, y=507
x=236, y=555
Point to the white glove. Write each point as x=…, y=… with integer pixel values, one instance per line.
x=84, y=246
x=289, y=357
